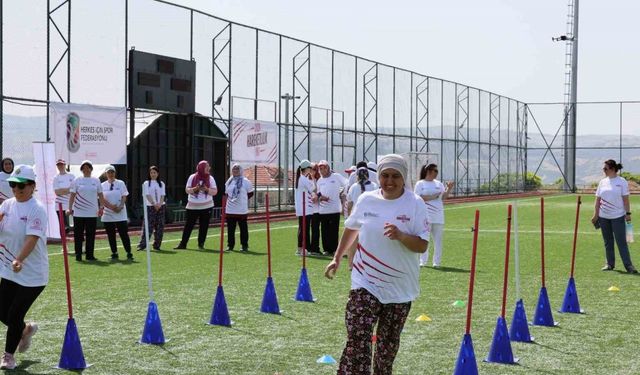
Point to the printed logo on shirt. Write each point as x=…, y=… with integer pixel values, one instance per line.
x=403, y=218
x=36, y=225
x=23, y=218
x=371, y=214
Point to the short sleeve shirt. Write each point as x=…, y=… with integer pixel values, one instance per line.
x=610, y=191
x=63, y=181
x=86, y=201
x=113, y=193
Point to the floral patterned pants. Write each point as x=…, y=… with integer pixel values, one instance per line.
x=362, y=312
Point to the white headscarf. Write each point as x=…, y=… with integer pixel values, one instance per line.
x=235, y=182
x=394, y=161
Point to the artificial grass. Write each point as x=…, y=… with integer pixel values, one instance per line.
x=110, y=302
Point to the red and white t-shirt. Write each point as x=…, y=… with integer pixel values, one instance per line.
x=86, y=201
x=200, y=200
x=435, y=208
x=385, y=267
x=20, y=220
x=331, y=187
x=306, y=186
x=610, y=191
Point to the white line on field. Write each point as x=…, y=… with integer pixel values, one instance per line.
x=497, y=202
x=520, y=231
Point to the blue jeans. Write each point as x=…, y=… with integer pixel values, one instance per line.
x=615, y=228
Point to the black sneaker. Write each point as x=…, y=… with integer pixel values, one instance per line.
x=607, y=267
x=229, y=249
x=129, y=256
x=245, y=249
x=632, y=269
x=180, y=247
x=200, y=247
x=114, y=256
x=92, y=258
x=157, y=248
x=78, y=258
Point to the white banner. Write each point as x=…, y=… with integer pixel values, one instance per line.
x=254, y=142
x=88, y=132
x=45, y=168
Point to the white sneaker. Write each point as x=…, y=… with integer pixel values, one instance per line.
x=299, y=252
x=436, y=265
x=25, y=342
x=8, y=362
x=423, y=264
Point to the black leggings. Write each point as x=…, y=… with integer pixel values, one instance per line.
x=123, y=231
x=81, y=226
x=15, y=301
x=203, y=217
x=307, y=224
x=241, y=221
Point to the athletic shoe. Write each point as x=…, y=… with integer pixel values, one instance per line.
x=229, y=249
x=25, y=342
x=114, y=256
x=8, y=362
x=245, y=249
x=180, y=247
x=632, y=269
x=607, y=267
x=201, y=247
x=299, y=252
x=423, y=264
x=436, y=265
x=129, y=256
x=92, y=258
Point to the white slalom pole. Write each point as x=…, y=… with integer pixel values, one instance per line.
x=148, y=250
x=516, y=249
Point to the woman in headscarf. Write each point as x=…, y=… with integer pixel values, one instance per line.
x=391, y=227
x=238, y=190
x=5, y=173
x=201, y=187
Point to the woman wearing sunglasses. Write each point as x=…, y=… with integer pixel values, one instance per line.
x=115, y=212
x=6, y=169
x=433, y=191
x=24, y=263
x=86, y=203
x=612, y=209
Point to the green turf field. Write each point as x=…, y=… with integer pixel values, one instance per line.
x=110, y=303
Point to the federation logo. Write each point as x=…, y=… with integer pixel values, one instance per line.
x=403, y=218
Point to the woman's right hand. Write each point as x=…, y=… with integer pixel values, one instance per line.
x=69, y=212
x=331, y=268
x=594, y=219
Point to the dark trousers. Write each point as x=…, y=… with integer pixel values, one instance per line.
x=84, y=227
x=15, y=301
x=314, y=246
x=307, y=226
x=362, y=312
x=123, y=231
x=65, y=220
x=241, y=221
x=615, y=229
x=156, y=227
x=203, y=217
x=329, y=227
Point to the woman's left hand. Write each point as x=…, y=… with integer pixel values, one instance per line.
x=627, y=218
x=16, y=265
x=392, y=232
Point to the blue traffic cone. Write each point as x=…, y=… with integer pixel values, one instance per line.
x=326, y=359
x=270, y=299
x=543, y=315
x=220, y=313
x=303, y=293
x=519, y=325
x=72, y=357
x=500, y=351
x=571, y=303
x=152, y=333
x=466, y=363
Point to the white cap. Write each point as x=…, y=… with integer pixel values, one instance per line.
x=22, y=173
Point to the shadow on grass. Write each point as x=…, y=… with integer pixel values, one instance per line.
x=250, y=252
x=551, y=348
x=23, y=368
x=627, y=273
x=449, y=269
x=97, y=263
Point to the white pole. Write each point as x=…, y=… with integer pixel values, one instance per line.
x=516, y=249
x=148, y=249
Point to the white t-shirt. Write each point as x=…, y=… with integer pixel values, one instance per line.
x=63, y=181
x=356, y=190
x=238, y=202
x=610, y=191
x=154, y=189
x=86, y=202
x=304, y=185
x=435, y=208
x=200, y=200
x=5, y=189
x=353, y=177
x=316, y=205
x=331, y=187
x=114, y=196
x=22, y=219
x=385, y=267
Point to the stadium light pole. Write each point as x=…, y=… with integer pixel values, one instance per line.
x=287, y=98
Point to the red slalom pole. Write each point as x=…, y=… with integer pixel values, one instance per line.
x=506, y=264
x=63, y=236
x=472, y=276
x=266, y=197
x=304, y=229
x=542, y=237
x=222, y=219
x=575, y=236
